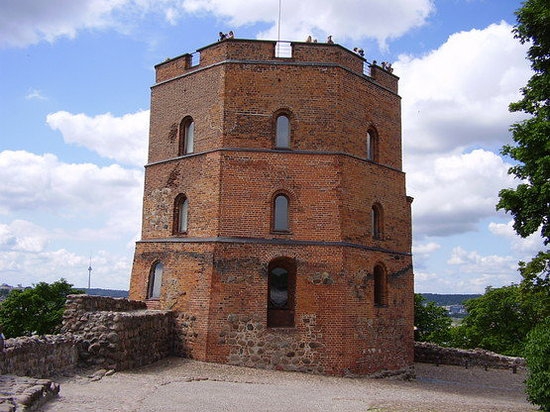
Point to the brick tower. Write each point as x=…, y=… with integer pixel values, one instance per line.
x=275, y=219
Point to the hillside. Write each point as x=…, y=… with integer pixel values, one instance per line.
x=449, y=299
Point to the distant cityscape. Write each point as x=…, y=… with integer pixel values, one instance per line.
x=5, y=289
x=453, y=303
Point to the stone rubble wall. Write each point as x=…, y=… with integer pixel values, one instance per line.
x=117, y=333
x=77, y=304
x=97, y=331
x=425, y=352
x=39, y=356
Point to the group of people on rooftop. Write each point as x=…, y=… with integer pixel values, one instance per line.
x=223, y=36
x=309, y=39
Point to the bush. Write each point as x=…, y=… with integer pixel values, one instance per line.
x=37, y=310
x=431, y=321
x=537, y=355
x=498, y=321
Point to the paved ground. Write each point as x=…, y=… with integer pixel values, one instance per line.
x=177, y=384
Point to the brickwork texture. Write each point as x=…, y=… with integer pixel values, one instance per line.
x=344, y=319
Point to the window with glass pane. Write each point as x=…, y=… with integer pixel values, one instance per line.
x=280, y=214
x=369, y=146
x=182, y=215
x=155, y=281
x=278, y=288
x=187, y=136
x=282, y=135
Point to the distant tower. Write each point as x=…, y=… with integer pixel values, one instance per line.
x=275, y=219
x=90, y=273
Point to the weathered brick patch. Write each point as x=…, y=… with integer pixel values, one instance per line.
x=24, y=393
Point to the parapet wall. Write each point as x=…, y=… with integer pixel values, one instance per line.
x=118, y=333
x=425, y=352
x=97, y=331
x=39, y=356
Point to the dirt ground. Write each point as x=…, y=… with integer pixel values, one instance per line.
x=177, y=384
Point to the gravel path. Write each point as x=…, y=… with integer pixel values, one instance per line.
x=177, y=384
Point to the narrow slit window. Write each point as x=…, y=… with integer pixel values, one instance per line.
x=371, y=146
x=376, y=223
x=282, y=133
x=187, y=136
x=280, y=214
x=183, y=212
x=181, y=215
x=155, y=281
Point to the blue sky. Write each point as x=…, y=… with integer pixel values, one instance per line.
x=74, y=123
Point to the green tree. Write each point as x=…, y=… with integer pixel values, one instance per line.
x=529, y=202
x=498, y=321
x=431, y=321
x=37, y=310
x=537, y=355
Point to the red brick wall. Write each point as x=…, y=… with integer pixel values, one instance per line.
x=215, y=275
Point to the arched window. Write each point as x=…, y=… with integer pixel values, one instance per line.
x=380, y=286
x=155, y=281
x=372, y=145
x=282, y=132
x=181, y=212
x=187, y=136
x=377, y=221
x=281, y=293
x=280, y=214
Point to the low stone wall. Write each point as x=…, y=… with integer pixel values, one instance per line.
x=118, y=333
x=77, y=304
x=425, y=352
x=39, y=356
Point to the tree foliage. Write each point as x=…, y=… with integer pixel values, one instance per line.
x=431, y=321
x=37, y=310
x=498, y=321
x=529, y=202
x=537, y=355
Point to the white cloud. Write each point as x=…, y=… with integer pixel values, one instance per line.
x=346, y=19
x=24, y=22
x=35, y=94
x=454, y=192
x=474, y=262
x=110, y=270
x=22, y=236
x=468, y=272
x=527, y=247
x=123, y=139
x=83, y=207
x=425, y=248
x=43, y=183
x=458, y=95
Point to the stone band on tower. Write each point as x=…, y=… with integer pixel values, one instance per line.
x=276, y=223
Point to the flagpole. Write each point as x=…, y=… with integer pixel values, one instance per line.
x=279, y=23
